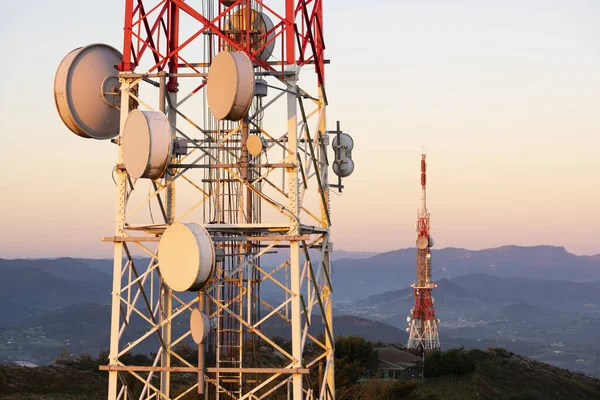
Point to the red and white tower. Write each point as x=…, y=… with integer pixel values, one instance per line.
x=217, y=113
x=423, y=326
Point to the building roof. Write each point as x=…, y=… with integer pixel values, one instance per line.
x=393, y=358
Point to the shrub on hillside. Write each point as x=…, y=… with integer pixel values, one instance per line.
x=449, y=362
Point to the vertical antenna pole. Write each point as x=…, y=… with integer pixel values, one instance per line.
x=166, y=298
x=294, y=201
x=118, y=247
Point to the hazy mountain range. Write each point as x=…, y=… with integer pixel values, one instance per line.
x=396, y=269
x=539, y=301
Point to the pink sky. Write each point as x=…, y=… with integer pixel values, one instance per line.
x=505, y=98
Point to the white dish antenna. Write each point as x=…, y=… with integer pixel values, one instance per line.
x=230, y=85
x=422, y=243
x=146, y=144
x=259, y=24
x=254, y=145
x=186, y=257
x=86, y=91
x=407, y=319
x=199, y=326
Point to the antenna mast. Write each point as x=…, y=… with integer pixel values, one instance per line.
x=423, y=326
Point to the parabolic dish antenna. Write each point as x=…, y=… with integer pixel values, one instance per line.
x=422, y=243
x=86, y=91
x=199, y=325
x=146, y=144
x=254, y=145
x=186, y=257
x=230, y=85
x=259, y=24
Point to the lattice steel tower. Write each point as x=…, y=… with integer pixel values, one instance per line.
x=217, y=111
x=423, y=326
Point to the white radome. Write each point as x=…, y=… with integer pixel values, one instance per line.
x=199, y=326
x=230, y=85
x=186, y=257
x=146, y=144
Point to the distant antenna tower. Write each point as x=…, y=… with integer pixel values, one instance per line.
x=217, y=112
x=423, y=326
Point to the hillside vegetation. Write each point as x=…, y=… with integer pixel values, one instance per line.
x=498, y=374
x=503, y=375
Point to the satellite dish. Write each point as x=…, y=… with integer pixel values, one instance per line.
x=86, y=91
x=186, y=257
x=428, y=256
x=230, y=85
x=258, y=23
x=422, y=243
x=407, y=319
x=254, y=145
x=407, y=329
x=431, y=242
x=199, y=326
x=146, y=144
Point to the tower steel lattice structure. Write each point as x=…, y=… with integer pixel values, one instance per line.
x=252, y=205
x=423, y=325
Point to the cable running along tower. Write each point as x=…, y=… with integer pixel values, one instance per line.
x=216, y=109
x=423, y=326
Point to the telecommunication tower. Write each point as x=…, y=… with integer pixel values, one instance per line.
x=217, y=111
x=423, y=326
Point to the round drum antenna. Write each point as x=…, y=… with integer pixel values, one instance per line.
x=254, y=145
x=199, y=326
x=259, y=25
x=230, y=85
x=86, y=91
x=146, y=144
x=186, y=257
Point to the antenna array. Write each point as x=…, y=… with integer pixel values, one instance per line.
x=210, y=182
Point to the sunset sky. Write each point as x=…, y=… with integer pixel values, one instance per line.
x=503, y=95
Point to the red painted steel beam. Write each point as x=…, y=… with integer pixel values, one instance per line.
x=150, y=31
x=214, y=29
x=173, y=35
x=126, y=61
x=290, y=56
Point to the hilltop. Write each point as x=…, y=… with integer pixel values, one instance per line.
x=498, y=375
x=504, y=375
